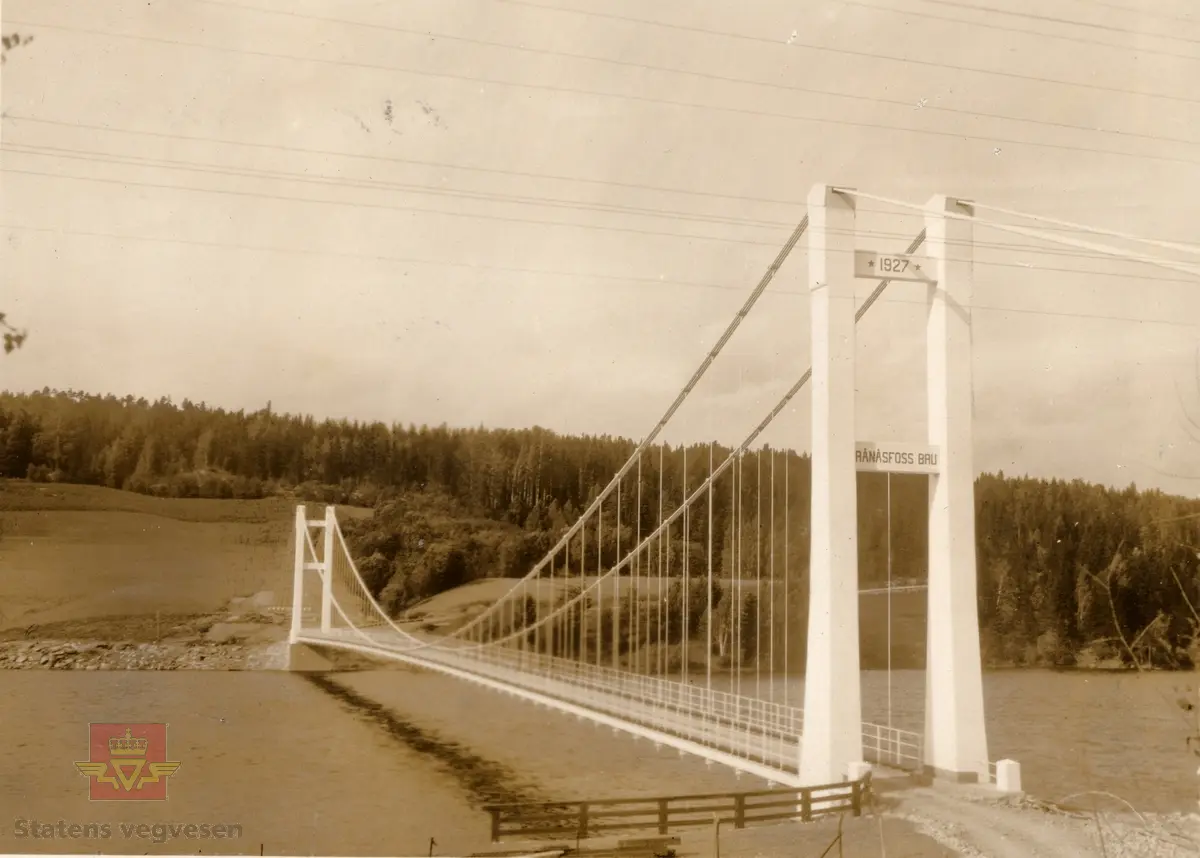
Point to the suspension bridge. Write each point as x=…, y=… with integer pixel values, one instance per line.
x=633, y=637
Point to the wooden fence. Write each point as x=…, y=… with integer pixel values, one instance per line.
x=582, y=819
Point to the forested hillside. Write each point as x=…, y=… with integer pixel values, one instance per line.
x=1066, y=569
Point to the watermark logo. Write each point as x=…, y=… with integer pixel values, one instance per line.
x=127, y=762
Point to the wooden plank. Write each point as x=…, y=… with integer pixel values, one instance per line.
x=727, y=805
x=770, y=817
x=819, y=804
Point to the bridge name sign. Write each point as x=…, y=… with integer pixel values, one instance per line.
x=887, y=457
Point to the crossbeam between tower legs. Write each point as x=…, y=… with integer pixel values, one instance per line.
x=955, y=733
x=832, y=738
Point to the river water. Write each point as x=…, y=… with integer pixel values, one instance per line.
x=380, y=762
x=1120, y=732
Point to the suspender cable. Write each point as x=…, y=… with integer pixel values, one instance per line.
x=771, y=573
x=787, y=588
x=687, y=593
x=565, y=638
x=646, y=610
x=554, y=624
x=758, y=578
x=635, y=630
x=708, y=659
x=889, y=602
x=741, y=545
x=616, y=605
x=666, y=635
x=599, y=592
x=731, y=573
x=658, y=576
x=582, y=587
x=537, y=600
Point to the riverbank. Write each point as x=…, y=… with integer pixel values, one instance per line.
x=103, y=655
x=248, y=634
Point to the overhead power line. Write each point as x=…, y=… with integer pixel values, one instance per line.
x=868, y=55
x=989, y=140
x=1001, y=28
x=392, y=159
x=205, y=168
x=377, y=184
x=618, y=278
x=386, y=207
x=1054, y=19
x=1141, y=12
x=703, y=75
x=567, y=224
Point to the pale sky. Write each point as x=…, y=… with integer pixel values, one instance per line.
x=510, y=213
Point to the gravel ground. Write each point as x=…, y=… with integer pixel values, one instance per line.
x=975, y=824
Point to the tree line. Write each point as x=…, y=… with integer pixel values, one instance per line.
x=1068, y=572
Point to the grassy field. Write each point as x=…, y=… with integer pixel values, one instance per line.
x=71, y=553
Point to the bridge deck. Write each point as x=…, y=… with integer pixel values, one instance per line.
x=748, y=734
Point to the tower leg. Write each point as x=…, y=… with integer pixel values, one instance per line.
x=298, y=575
x=327, y=572
x=955, y=733
x=832, y=738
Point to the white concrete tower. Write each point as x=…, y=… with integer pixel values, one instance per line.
x=832, y=739
x=955, y=734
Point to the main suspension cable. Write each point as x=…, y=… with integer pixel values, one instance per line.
x=714, y=473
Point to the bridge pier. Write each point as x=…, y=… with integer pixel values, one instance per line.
x=832, y=738
x=955, y=732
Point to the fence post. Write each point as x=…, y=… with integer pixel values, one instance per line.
x=806, y=805
x=856, y=797
x=662, y=816
x=739, y=811
x=495, y=824
x=583, y=821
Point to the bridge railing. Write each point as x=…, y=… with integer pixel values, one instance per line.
x=891, y=746
x=763, y=724
x=765, y=731
x=754, y=729
x=582, y=819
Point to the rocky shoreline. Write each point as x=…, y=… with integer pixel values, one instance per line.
x=127, y=655
x=249, y=634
